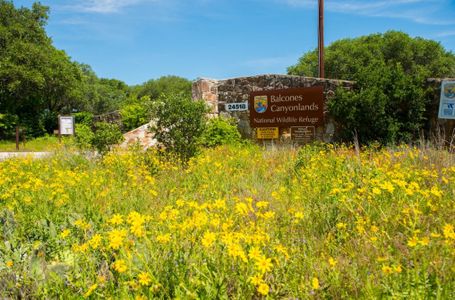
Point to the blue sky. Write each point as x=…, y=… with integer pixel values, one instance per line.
x=138, y=40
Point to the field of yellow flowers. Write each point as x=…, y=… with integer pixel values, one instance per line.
x=238, y=222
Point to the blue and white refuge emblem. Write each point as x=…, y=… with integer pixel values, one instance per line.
x=260, y=104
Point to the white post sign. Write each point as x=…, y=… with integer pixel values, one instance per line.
x=66, y=125
x=447, y=102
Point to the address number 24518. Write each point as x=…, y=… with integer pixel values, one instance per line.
x=237, y=106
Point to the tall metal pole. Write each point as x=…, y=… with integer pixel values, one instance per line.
x=321, y=39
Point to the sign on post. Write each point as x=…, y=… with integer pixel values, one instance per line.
x=66, y=125
x=303, y=133
x=286, y=108
x=267, y=133
x=447, y=101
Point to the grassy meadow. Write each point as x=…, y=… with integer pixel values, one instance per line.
x=45, y=143
x=238, y=222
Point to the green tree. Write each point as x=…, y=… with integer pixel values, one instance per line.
x=180, y=122
x=37, y=80
x=163, y=85
x=390, y=70
x=136, y=113
x=100, y=95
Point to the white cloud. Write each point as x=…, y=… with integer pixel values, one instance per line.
x=105, y=6
x=446, y=33
x=419, y=11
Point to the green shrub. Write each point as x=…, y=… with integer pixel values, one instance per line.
x=84, y=117
x=180, y=122
x=8, y=124
x=220, y=131
x=133, y=116
x=84, y=136
x=106, y=135
x=390, y=69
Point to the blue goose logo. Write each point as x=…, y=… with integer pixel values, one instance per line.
x=260, y=104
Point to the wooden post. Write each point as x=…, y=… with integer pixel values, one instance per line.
x=24, y=137
x=59, y=131
x=17, y=138
x=321, y=39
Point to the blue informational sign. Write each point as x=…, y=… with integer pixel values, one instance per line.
x=447, y=102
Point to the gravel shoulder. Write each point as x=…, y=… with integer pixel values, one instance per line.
x=6, y=155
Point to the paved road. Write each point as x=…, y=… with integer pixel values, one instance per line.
x=6, y=155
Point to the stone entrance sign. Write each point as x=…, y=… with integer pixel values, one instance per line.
x=287, y=107
x=278, y=95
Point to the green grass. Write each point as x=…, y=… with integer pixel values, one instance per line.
x=41, y=144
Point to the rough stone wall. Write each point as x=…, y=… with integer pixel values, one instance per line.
x=219, y=92
x=111, y=117
x=207, y=89
x=439, y=130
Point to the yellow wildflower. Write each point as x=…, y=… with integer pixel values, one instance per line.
x=163, y=238
x=397, y=268
x=235, y=250
x=120, y=266
x=256, y=280
x=264, y=264
x=269, y=215
x=116, y=238
x=425, y=241
x=254, y=253
x=82, y=224
x=262, y=204
x=65, y=233
x=263, y=289
x=144, y=278
x=116, y=219
x=341, y=225
x=413, y=241
x=281, y=249
x=242, y=209
x=387, y=270
x=332, y=262
x=315, y=283
x=208, y=239
x=95, y=241
x=9, y=264
x=436, y=191
x=376, y=191
x=448, y=231
x=90, y=290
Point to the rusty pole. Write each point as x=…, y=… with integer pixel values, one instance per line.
x=321, y=39
x=17, y=138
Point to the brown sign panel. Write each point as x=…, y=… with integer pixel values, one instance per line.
x=303, y=133
x=286, y=108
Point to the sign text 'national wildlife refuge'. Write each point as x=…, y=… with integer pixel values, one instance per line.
x=286, y=108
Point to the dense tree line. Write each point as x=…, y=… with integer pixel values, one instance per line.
x=390, y=69
x=39, y=81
